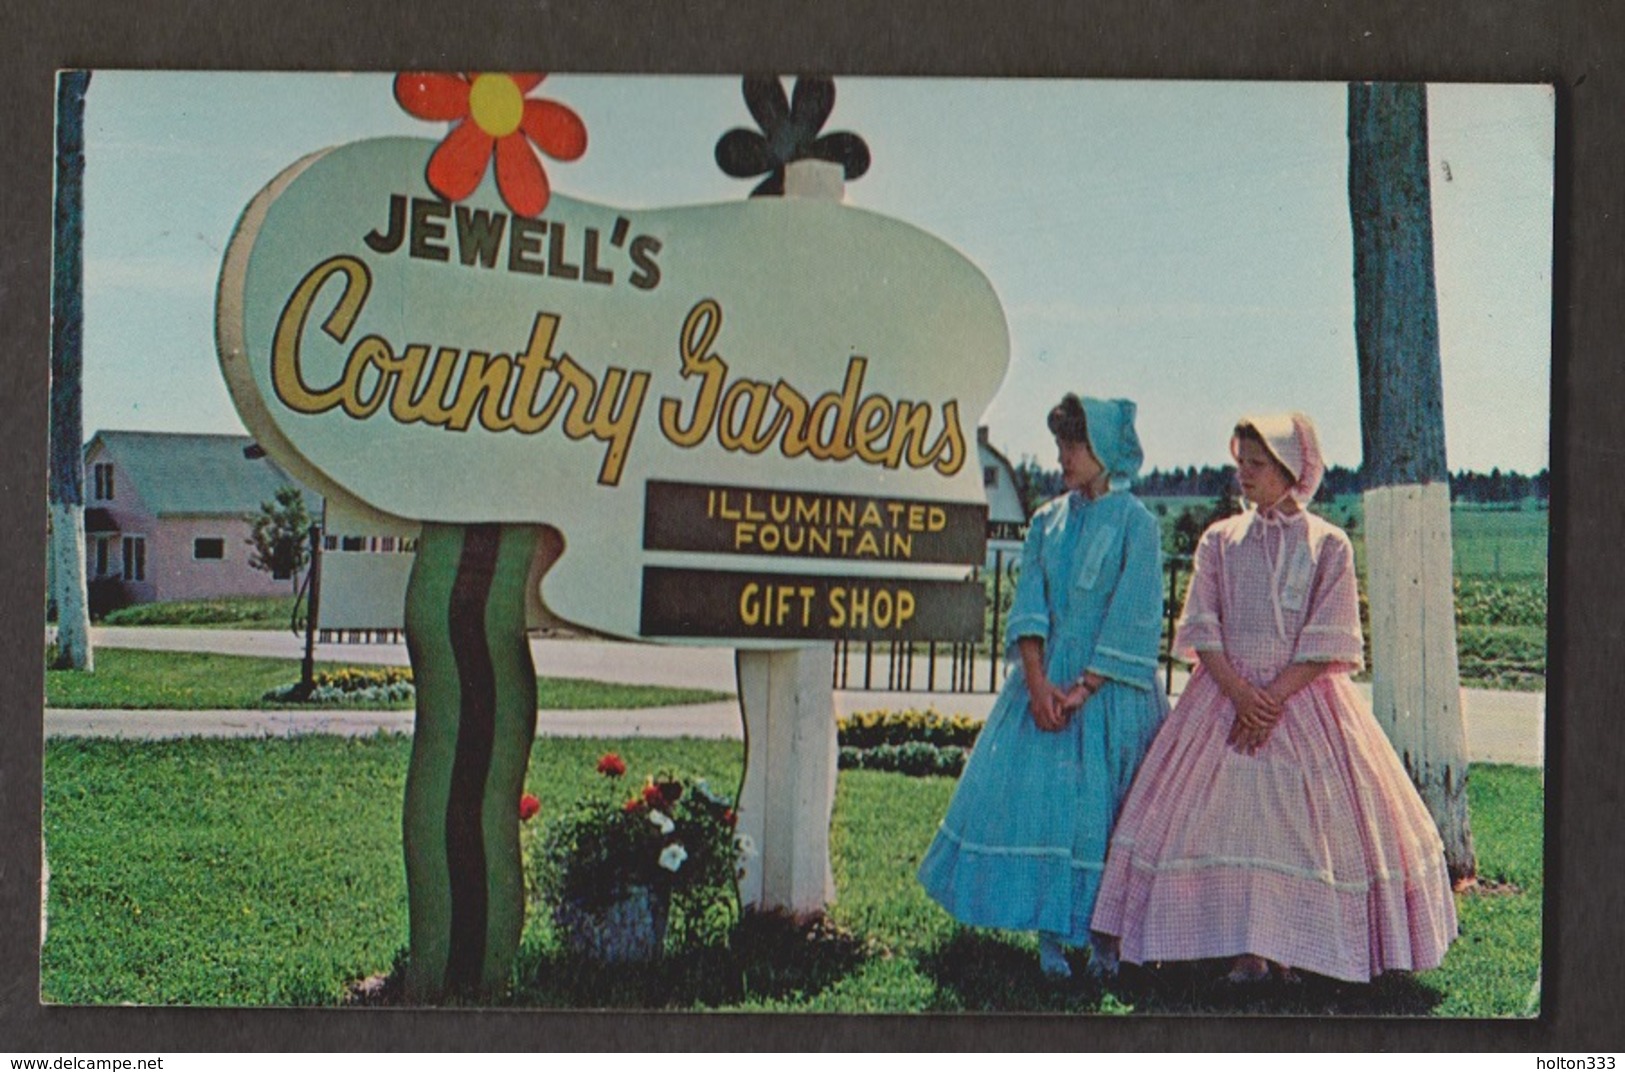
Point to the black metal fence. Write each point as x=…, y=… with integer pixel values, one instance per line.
x=978, y=666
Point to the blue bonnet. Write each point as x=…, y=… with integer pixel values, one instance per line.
x=1112, y=438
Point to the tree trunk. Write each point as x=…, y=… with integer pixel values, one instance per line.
x=1416, y=685
x=67, y=479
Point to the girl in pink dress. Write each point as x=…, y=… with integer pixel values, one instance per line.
x=1271, y=821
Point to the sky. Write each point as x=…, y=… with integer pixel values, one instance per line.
x=1183, y=244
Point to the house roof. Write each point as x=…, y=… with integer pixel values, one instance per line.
x=1009, y=507
x=188, y=473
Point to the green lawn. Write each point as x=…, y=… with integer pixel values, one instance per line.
x=186, y=681
x=268, y=872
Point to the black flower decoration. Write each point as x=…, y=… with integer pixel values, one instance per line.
x=789, y=133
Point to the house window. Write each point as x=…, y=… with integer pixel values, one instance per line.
x=990, y=475
x=101, y=555
x=102, y=473
x=135, y=558
x=209, y=547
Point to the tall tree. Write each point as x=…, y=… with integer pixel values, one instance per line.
x=278, y=539
x=67, y=480
x=1416, y=681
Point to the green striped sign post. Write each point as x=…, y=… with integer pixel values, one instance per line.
x=476, y=717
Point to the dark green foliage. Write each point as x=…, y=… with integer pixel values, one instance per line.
x=1497, y=601
x=106, y=599
x=909, y=742
x=915, y=757
x=279, y=542
x=1503, y=657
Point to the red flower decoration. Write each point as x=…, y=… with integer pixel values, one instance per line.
x=611, y=765
x=632, y=805
x=529, y=807
x=653, y=797
x=494, y=118
x=729, y=817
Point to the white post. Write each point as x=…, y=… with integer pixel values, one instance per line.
x=788, y=700
x=1416, y=684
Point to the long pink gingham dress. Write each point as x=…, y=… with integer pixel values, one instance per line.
x=1316, y=852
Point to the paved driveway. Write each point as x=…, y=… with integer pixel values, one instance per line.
x=1502, y=727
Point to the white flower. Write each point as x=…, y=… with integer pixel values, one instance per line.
x=704, y=789
x=662, y=820
x=746, y=847
x=672, y=856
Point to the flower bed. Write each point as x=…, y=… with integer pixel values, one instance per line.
x=910, y=742
x=380, y=684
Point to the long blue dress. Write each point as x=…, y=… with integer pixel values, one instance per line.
x=1024, y=841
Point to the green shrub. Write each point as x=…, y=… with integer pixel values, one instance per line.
x=918, y=758
x=1496, y=601
x=262, y=612
x=909, y=742
x=1505, y=657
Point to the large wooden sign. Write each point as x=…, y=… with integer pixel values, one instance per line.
x=594, y=367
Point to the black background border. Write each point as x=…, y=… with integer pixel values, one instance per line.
x=1574, y=44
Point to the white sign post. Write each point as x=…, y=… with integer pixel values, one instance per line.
x=791, y=752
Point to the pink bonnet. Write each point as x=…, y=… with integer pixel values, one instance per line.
x=1291, y=438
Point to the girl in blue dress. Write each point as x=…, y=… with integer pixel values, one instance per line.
x=1024, y=841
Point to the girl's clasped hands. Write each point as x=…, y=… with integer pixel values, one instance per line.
x=1257, y=712
x=1051, y=705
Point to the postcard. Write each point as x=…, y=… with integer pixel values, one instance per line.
x=798, y=544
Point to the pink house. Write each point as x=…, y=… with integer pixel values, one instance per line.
x=167, y=515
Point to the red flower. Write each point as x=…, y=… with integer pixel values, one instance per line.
x=653, y=797
x=729, y=817
x=632, y=805
x=494, y=118
x=671, y=791
x=611, y=765
x=529, y=807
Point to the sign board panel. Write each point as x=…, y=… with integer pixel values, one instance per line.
x=460, y=363
x=784, y=606
x=783, y=523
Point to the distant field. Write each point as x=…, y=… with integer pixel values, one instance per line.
x=1489, y=541
x=1500, y=567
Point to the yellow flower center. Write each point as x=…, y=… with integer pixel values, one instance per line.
x=496, y=104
